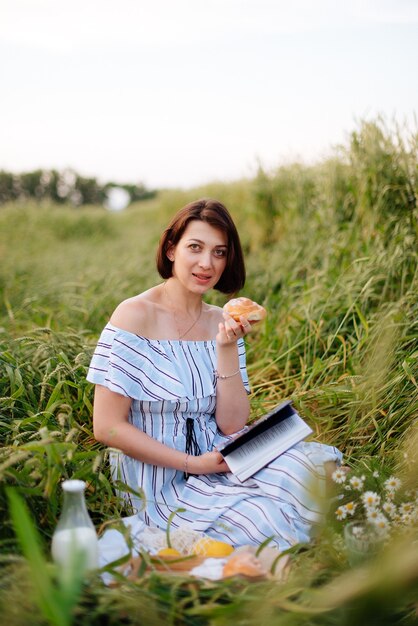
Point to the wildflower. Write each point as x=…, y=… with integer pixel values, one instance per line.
x=392, y=484
x=381, y=521
x=339, y=476
x=373, y=514
x=389, y=508
x=341, y=513
x=356, y=482
x=406, y=519
x=382, y=524
x=406, y=507
x=381, y=512
x=350, y=507
x=370, y=499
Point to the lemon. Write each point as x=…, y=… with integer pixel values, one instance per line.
x=168, y=552
x=212, y=548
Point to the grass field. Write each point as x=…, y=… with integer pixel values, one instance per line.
x=332, y=253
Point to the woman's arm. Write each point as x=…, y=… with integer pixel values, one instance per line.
x=232, y=403
x=112, y=428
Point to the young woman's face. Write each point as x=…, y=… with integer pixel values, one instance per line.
x=199, y=258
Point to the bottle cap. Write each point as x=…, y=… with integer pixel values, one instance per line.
x=73, y=485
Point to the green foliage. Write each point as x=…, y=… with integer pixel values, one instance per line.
x=383, y=172
x=63, y=187
x=332, y=254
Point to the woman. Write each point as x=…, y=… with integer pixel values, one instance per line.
x=171, y=385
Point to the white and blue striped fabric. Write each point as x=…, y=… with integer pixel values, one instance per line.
x=170, y=381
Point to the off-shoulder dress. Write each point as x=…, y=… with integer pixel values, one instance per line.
x=172, y=384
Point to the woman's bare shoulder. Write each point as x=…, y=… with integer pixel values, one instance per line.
x=135, y=314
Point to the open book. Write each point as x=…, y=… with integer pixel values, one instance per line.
x=264, y=440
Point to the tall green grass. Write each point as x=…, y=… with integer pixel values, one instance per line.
x=332, y=254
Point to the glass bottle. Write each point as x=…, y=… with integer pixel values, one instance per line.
x=74, y=541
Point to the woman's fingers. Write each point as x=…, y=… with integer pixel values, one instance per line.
x=213, y=463
x=233, y=329
x=221, y=466
x=246, y=325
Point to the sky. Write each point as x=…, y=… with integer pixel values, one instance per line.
x=178, y=93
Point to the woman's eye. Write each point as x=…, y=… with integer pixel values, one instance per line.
x=220, y=253
x=194, y=246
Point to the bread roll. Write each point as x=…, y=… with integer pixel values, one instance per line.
x=244, y=564
x=245, y=307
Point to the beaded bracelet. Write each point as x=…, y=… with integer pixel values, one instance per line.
x=224, y=377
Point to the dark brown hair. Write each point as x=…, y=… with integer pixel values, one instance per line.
x=218, y=216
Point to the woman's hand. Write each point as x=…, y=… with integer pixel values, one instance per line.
x=230, y=330
x=207, y=463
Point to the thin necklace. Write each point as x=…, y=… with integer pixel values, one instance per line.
x=173, y=311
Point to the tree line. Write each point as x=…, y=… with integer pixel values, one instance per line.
x=65, y=186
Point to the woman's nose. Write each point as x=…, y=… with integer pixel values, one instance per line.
x=205, y=260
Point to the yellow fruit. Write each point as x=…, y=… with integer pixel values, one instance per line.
x=212, y=548
x=168, y=552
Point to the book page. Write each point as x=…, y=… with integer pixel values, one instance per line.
x=268, y=445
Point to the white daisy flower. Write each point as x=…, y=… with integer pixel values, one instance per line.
x=382, y=524
x=356, y=482
x=373, y=513
x=389, y=508
x=370, y=499
x=407, y=519
x=406, y=507
x=390, y=494
x=341, y=513
x=392, y=483
x=380, y=520
x=375, y=474
x=350, y=508
x=397, y=518
x=339, y=476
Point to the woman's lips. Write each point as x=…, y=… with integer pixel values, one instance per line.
x=202, y=277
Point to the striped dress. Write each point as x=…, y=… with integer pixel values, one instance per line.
x=172, y=382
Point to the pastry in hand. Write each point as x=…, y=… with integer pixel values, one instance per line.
x=245, y=307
